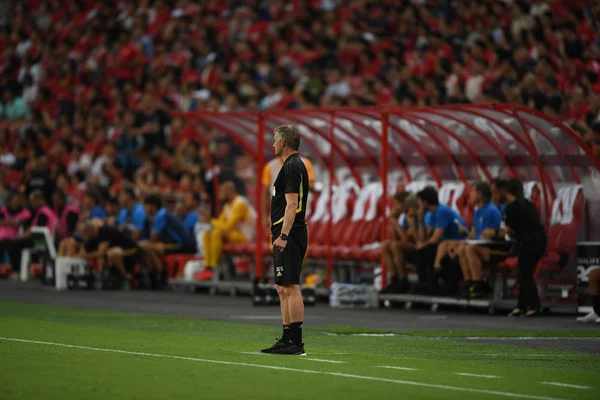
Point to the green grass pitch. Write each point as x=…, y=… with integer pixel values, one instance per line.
x=70, y=353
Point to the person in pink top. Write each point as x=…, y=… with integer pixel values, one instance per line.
x=42, y=215
x=12, y=216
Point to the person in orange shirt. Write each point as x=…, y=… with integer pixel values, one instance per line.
x=235, y=224
x=269, y=174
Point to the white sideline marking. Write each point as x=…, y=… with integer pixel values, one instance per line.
x=476, y=375
x=325, y=361
x=524, y=338
x=280, y=368
x=360, y=334
x=566, y=385
x=401, y=368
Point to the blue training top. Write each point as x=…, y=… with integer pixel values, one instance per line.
x=171, y=229
x=98, y=212
x=486, y=217
x=449, y=220
x=404, y=220
x=190, y=221
x=134, y=220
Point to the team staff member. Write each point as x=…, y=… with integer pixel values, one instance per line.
x=235, y=224
x=132, y=217
x=447, y=225
x=404, y=223
x=482, y=245
x=524, y=225
x=290, y=238
x=269, y=175
x=109, y=245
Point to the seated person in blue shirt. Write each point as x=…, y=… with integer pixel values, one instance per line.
x=447, y=225
x=498, y=188
x=168, y=235
x=483, y=245
x=191, y=204
x=132, y=218
x=112, y=207
x=91, y=210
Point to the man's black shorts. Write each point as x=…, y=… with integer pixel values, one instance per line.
x=287, y=265
x=499, y=250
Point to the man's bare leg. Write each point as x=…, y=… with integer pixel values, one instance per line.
x=387, y=255
x=476, y=255
x=464, y=263
x=115, y=258
x=397, y=249
x=442, y=250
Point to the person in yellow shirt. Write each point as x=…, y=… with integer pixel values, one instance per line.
x=235, y=224
x=269, y=174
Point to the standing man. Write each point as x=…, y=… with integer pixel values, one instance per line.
x=290, y=238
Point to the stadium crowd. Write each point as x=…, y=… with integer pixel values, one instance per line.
x=89, y=89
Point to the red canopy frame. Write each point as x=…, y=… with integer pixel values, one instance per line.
x=462, y=141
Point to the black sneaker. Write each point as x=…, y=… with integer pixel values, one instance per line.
x=290, y=349
x=403, y=286
x=279, y=344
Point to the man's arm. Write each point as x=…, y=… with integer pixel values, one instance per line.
x=158, y=225
x=291, y=200
x=138, y=221
x=472, y=234
x=399, y=230
x=436, y=237
x=99, y=252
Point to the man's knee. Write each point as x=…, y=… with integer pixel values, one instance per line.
x=386, y=246
x=280, y=290
x=114, y=253
x=291, y=290
x=470, y=250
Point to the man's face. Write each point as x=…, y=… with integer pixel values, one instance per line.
x=422, y=205
x=498, y=195
x=412, y=212
x=398, y=208
x=223, y=193
x=124, y=199
x=475, y=197
x=278, y=145
x=88, y=202
x=57, y=200
x=35, y=203
x=150, y=210
x=188, y=201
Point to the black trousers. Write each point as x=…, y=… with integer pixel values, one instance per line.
x=529, y=254
x=424, y=259
x=14, y=247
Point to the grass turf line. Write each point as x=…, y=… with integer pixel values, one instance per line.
x=57, y=373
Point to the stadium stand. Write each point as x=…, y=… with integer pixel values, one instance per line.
x=159, y=96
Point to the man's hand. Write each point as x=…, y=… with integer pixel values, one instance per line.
x=420, y=245
x=279, y=244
